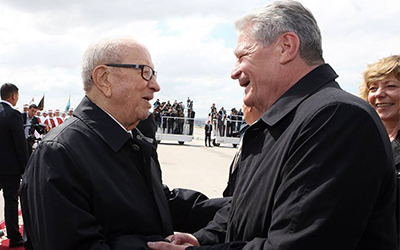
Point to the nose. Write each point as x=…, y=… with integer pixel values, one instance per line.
x=236, y=71
x=380, y=92
x=153, y=84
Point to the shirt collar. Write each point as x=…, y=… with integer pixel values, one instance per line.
x=3, y=101
x=306, y=86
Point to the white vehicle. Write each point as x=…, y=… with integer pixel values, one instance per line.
x=225, y=131
x=172, y=128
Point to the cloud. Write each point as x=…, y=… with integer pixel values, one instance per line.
x=191, y=43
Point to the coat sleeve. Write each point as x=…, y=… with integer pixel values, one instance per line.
x=337, y=187
x=215, y=231
x=56, y=206
x=192, y=210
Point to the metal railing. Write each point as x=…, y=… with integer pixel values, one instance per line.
x=227, y=127
x=175, y=125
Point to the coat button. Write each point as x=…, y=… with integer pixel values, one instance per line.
x=135, y=147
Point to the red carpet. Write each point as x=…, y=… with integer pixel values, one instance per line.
x=3, y=240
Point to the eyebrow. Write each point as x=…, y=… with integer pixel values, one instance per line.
x=391, y=80
x=240, y=50
x=236, y=52
x=244, y=49
x=386, y=81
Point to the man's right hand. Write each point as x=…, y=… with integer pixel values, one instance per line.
x=184, y=238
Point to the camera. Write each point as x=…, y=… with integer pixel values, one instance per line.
x=39, y=127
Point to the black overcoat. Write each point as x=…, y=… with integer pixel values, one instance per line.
x=316, y=172
x=89, y=185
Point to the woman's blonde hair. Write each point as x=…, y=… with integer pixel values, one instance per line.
x=379, y=71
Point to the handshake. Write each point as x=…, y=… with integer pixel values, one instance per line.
x=178, y=241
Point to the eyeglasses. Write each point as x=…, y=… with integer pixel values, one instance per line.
x=147, y=71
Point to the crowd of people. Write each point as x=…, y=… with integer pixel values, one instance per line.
x=178, y=118
x=175, y=118
x=225, y=124
x=316, y=168
x=49, y=117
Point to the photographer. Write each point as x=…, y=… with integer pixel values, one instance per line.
x=31, y=124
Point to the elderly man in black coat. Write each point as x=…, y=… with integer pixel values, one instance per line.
x=92, y=183
x=95, y=182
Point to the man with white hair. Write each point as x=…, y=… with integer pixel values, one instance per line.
x=92, y=183
x=316, y=170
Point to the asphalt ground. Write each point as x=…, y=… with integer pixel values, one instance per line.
x=195, y=166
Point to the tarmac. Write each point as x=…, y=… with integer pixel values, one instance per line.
x=195, y=166
x=191, y=165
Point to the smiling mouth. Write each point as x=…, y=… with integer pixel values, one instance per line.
x=381, y=105
x=147, y=98
x=245, y=84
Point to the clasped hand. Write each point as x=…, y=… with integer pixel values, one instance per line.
x=179, y=241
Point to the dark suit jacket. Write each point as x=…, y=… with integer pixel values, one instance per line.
x=192, y=115
x=89, y=185
x=208, y=129
x=13, y=148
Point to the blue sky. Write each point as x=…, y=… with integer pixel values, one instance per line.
x=191, y=43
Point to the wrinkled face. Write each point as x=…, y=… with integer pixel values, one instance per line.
x=256, y=70
x=32, y=112
x=384, y=96
x=131, y=93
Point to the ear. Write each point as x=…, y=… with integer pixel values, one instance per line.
x=289, y=47
x=101, y=79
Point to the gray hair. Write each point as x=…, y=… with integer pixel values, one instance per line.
x=270, y=21
x=103, y=52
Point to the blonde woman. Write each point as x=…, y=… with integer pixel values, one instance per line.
x=381, y=88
